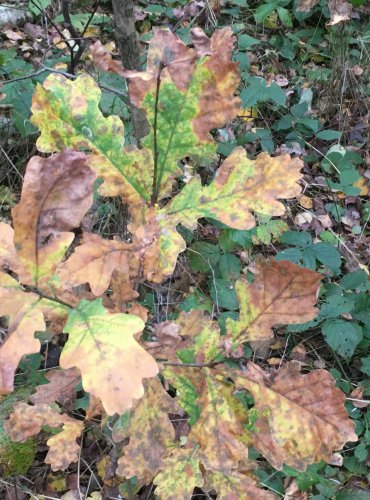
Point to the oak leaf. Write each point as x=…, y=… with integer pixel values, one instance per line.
x=281, y=293
x=239, y=187
x=13, y=297
x=68, y=116
x=151, y=434
x=184, y=96
x=61, y=387
x=99, y=339
x=20, y=341
x=217, y=431
x=8, y=255
x=235, y=486
x=93, y=262
x=27, y=421
x=179, y=476
x=57, y=192
x=301, y=418
x=192, y=338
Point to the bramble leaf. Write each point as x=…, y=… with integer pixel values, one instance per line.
x=301, y=418
x=26, y=421
x=99, y=339
x=151, y=434
x=57, y=192
x=281, y=293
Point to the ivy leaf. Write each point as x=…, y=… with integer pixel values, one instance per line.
x=281, y=293
x=94, y=261
x=19, y=342
x=57, y=192
x=301, y=418
x=27, y=421
x=235, y=485
x=179, y=476
x=151, y=434
x=99, y=339
x=217, y=431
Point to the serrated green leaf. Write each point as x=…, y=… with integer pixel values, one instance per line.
x=327, y=255
x=342, y=336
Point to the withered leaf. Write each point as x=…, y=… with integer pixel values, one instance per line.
x=61, y=387
x=281, y=293
x=151, y=434
x=301, y=418
x=57, y=192
x=27, y=421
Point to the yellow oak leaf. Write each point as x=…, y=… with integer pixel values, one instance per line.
x=179, y=476
x=19, y=341
x=111, y=361
x=150, y=431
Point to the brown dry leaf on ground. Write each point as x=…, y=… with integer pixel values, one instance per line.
x=340, y=11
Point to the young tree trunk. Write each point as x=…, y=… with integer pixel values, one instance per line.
x=124, y=23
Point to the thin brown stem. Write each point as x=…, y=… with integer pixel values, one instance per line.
x=155, y=188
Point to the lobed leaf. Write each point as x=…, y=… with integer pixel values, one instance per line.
x=99, y=339
x=27, y=421
x=301, y=418
x=94, y=261
x=239, y=187
x=179, y=476
x=61, y=387
x=68, y=116
x=151, y=434
x=184, y=96
x=217, y=430
x=8, y=255
x=235, y=486
x=57, y=192
x=19, y=342
x=281, y=293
